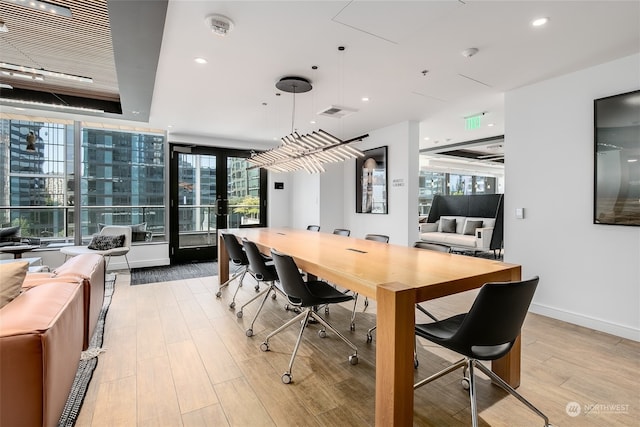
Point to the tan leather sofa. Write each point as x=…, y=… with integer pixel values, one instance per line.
x=89, y=269
x=41, y=335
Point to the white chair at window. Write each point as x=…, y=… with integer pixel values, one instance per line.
x=109, y=230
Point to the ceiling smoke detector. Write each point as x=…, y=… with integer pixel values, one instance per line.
x=219, y=24
x=468, y=53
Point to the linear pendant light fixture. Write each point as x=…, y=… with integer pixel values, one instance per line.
x=38, y=73
x=42, y=6
x=308, y=152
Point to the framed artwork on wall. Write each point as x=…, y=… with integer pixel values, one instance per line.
x=371, y=181
x=617, y=159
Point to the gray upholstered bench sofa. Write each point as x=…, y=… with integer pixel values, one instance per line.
x=459, y=232
x=466, y=222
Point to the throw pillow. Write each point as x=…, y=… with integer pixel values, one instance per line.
x=104, y=243
x=448, y=225
x=12, y=275
x=470, y=227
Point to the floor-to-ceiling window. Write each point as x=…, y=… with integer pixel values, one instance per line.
x=437, y=180
x=121, y=179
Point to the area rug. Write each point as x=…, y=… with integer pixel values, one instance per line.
x=88, y=361
x=167, y=273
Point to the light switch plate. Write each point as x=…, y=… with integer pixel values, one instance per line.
x=519, y=213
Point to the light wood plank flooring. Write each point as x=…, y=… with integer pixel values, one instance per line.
x=177, y=356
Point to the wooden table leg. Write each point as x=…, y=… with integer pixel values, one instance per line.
x=508, y=366
x=394, y=355
x=223, y=260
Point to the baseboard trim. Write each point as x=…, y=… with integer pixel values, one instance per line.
x=616, y=329
x=122, y=265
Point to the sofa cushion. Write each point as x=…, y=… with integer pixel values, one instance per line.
x=104, y=243
x=12, y=275
x=7, y=232
x=470, y=226
x=448, y=225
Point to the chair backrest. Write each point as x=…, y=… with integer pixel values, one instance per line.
x=292, y=283
x=313, y=227
x=342, y=232
x=117, y=230
x=234, y=249
x=377, y=238
x=257, y=262
x=432, y=246
x=494, y=321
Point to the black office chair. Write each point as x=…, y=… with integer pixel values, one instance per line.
x=240, y=260
x=377, y=238
x=263, y=272
x=305, y=295
x=313, y=227
x=486, y=332
x=342, y=232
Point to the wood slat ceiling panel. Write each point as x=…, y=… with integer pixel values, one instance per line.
x=80, y=45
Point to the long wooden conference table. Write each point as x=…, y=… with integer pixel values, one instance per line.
x=397, y=277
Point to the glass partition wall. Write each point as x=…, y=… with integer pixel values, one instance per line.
x=121, y=180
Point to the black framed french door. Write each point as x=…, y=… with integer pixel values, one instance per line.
x=211, y=189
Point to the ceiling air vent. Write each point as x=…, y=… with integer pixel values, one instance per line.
x=337, y=112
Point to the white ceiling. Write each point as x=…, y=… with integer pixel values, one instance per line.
x=388, y=44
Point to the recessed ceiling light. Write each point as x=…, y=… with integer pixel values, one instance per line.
x=43, y=6
x=539, y=22
x=313, y=122
x=169, y=126
x=201, y=60
x=426, y=138
x=490, y=125
x=365, y=99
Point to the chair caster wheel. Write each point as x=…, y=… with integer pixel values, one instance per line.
x=366, y=302
x=286, y=378
x=352, y=326
x=286, y=307
x=369, y=338
x=322, y=333
x=218, y=294
x=353, y=359
x=257, y=288
x=264, y=346
x=465, y=383
x=415, y=363
x=239, y=314
x=232, y=305
x=273, y=296
x=326, y=311
x=249, y=333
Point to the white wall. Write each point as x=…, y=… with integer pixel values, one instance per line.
x=305, y=199
x=332, y=185
x=589, y=274
x=279, y=201
x=401, y=223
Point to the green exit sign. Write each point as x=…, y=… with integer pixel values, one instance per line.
x=472, y=122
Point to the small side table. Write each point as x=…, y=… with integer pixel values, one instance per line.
x=17, y=251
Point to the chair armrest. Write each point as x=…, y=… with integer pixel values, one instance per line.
x=427, y=227
x=483, y=237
